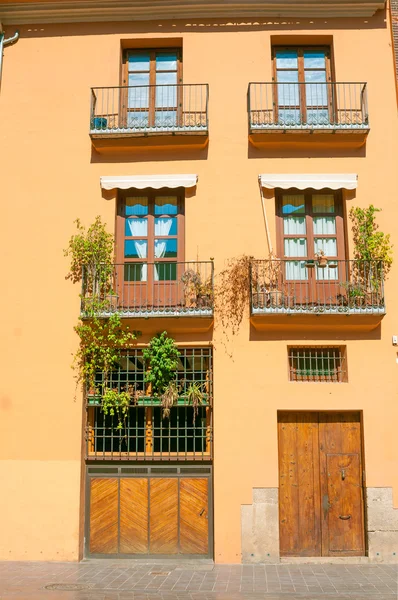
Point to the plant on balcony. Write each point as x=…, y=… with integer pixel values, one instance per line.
x=162, y=358
x=101, y=343
x=195, y=396
x=370, y=244
x=116, y=403
x=321, y=259
x=372, y=254
x=101, y=339
x=197, y=293
x=91, y=252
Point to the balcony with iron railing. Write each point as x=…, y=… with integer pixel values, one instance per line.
x=149, y=110
x=141, y=289
x=308, y=108
x=311, y=287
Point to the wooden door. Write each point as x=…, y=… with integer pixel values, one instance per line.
x=148, y=516
x=134, y=511
x=163, y=536
x=341, y=484
x=103, y=516
x=194, y=509
x=320, y=484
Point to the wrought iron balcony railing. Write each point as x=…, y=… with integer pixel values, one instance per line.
x=325, y=106
x=149, y=109
x=140, y=289
x=300, y=286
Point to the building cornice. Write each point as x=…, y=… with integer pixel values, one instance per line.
x=72, y=11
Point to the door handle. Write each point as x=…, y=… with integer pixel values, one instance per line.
x=201, y=512
x=344, y=517
x=343, y=474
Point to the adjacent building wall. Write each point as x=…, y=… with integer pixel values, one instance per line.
x=50, y=176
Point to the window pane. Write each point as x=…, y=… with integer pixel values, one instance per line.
x=295, y=247
x=287, y=76
x=139, y=61
x=138, y=120
x=166, y=205
x=293, y=203
x=166, y=95
x=314, y=59
x=135, y=248
x=323, y=203
x=316, y=94
x=324, y=225
x=136, y=227
x=286, y=59
x=296, y=271
x=136, y=206
x=315, y=76
x=327, y=245
x=326, y=274
x=166, y=118
x=135, y=272
x=166, y=272
x=138, y=78
x=166, y=226
x=166, y=248
x=294, y=226
x=138, y=97
x=166, y=61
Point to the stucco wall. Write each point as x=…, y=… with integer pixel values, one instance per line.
x=50, y=176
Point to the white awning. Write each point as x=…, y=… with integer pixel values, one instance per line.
x=303, y=181
x=140, y=182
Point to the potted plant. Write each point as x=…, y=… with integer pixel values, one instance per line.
x=321, y=259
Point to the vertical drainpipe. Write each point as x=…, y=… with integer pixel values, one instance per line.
x=4, y=42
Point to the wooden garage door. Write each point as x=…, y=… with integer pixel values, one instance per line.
x=320, y=484
x=148, y=516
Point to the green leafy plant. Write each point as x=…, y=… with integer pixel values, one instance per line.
x=162, y=358
x=102, y=339
x=117, y=403
x=101, y=343
x=370, y=244
x=91, y=253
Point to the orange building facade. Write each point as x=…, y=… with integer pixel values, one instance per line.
x=223, y=146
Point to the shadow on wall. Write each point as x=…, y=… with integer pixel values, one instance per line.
x=140, y=154
x=307, y=333
x=178, y=26
x=316, y=152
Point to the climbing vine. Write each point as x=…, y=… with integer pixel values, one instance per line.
x=232, y=293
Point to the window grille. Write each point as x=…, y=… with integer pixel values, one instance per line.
x=186, y=434
x=320, y=365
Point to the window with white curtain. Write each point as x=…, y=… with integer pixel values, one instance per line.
x=150, y=235
x=310, y=225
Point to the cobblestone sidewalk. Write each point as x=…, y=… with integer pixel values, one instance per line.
x=135, y=580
